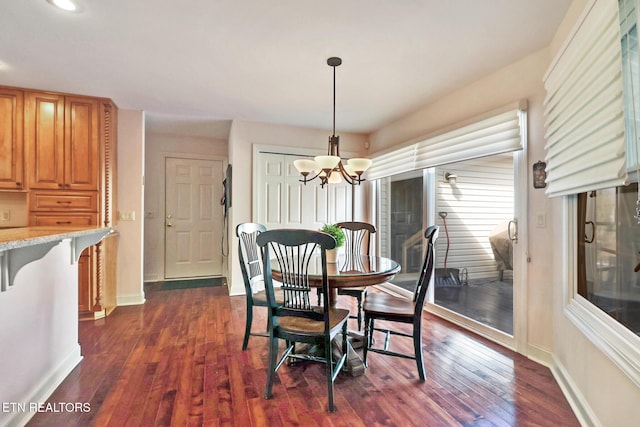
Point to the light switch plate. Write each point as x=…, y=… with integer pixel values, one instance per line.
x=127, y=216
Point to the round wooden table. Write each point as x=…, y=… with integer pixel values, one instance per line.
x=349, y=271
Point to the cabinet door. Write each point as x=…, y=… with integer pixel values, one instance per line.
x=11, y=139
x=44, y=134
x=86, y=264
x=82, y=135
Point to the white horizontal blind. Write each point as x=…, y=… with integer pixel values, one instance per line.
x=393, y=163
x=584, y=107
x=493, y=133
x=631, y=81
x=497, y=134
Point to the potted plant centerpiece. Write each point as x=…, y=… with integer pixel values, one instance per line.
x=337, y=234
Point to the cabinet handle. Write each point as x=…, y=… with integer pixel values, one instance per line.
x=60, y=185
x=19, y=184
x=63, y=222
x=67, y=202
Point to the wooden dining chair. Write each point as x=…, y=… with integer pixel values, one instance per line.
x=297, y=321
x=357, y=241
x=251, y=267
x=380, y=306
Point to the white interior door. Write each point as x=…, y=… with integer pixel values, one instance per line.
x=193, y=218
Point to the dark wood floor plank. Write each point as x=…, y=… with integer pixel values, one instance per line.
x=177, y=360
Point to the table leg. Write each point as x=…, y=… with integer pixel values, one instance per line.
x=354, y=364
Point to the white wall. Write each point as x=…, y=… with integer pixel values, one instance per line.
x=159, y=146
x=130, y=199
x=243, y=136
x=39, y=336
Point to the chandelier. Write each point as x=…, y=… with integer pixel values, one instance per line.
x=331, y=168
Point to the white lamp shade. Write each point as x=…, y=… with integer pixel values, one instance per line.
x=304, y=165
x=326, y=162
x=359, y=164
x=349, y=170
x=335, y=178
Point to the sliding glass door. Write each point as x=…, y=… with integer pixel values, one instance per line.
x=475, y=212
x=473, y=203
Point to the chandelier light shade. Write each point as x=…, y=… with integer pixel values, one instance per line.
x=331, y=169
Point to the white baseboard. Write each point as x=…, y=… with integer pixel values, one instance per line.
x=236, y=290
x=580, y=407
x=42, y=391
x=132, y=299
x=540, y=355
x=153, y=278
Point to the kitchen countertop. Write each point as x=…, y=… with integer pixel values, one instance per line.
x=13, y=238
x=23, y=245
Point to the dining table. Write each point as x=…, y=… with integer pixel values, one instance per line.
x=349, y=270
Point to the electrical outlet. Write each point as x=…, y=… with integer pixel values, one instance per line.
x=541, y=220
x=5, y=215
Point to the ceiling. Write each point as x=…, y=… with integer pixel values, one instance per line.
x=203, y=63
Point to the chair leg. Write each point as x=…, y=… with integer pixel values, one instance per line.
x=271, y=369
x=247, y=327
x=329, y=355
x=359, y=298
x=417, y=347
x=367, y=339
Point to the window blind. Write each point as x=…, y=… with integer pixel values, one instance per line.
x=497, y=132
x=393, y=163
x=584, y=107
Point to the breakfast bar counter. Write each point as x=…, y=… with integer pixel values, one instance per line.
x=38, y=313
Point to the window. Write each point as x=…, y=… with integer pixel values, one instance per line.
x=609, y=253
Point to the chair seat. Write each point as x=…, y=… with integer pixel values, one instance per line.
x=302, y=326
x=260, y=298
x=379, y=303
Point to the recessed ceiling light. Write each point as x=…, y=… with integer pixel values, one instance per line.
x=67, y=5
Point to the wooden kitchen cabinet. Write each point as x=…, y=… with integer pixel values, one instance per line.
x=70, y=146
x=62, y=133
x=11, y=139
x=61, y=149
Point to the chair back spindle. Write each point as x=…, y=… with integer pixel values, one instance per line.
x=293, y=251
x=249, y=253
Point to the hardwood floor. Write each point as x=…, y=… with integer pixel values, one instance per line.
x=177, y=360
